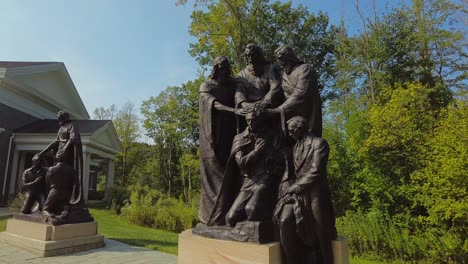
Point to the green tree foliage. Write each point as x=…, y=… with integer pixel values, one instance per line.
x=441, y=186
x=127, y=125
x=410, y=43
x=171, y=120
x=397, y=135
x=399, y=129
x=101, y=113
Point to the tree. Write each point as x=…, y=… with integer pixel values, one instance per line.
x=126, y=123
x=226, y=27
x=171, y=120
x=407, y=44
x=101, y=113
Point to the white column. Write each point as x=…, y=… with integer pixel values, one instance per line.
x=17, y=169
x=14, y=172
x=86, y=164
x=109, y=179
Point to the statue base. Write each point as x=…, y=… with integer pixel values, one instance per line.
x=223, y=244
x=247, y=231
x=47, y=240
x=77, y=214
x=198, y=249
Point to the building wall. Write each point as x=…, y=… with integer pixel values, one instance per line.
x=10, y=119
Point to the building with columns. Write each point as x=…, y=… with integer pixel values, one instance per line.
x=31, y=94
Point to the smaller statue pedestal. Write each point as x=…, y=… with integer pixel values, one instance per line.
x=198, y=249
x=47, y=240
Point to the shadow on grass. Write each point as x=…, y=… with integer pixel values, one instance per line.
x=146, y=242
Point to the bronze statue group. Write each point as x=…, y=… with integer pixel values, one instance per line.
x=262, y=156
x=57, y=189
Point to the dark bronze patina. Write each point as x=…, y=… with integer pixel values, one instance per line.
x=271, y=177
x=64, y=203
x=34, y=186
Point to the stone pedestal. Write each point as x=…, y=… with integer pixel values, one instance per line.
x=340, y=251
x=48, y=240
x=246, y=231
x=198, y=249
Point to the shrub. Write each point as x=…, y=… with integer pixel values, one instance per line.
x=152, y=208
x=15, y=202
x=396, y=239
x=119, y=196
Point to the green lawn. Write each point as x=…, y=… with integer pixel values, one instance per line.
x=114, y=227
x=3, y=220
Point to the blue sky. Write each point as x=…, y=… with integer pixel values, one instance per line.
x=120, y=50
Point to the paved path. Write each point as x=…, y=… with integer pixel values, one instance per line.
x=114, y=253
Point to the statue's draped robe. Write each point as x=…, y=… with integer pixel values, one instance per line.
x=68, y=132
x=217, y=130
x=303, y=97
x=60, y=181
x=267, y=86
x=264, y=87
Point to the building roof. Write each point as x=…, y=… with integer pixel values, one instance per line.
x=16, y=64
x=51, y=126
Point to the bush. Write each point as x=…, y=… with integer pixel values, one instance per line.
x=15, y=202
x=152, y=208
x=119, y=197
x=396, y=239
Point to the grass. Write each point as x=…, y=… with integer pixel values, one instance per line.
x=114, y=227
x=3, y=220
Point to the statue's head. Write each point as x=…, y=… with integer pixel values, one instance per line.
x=297, y=126
x=254, y=122
x=36, y=161
x=287, y=58
x=63, y=117
x=254, y=54
x=221, y=68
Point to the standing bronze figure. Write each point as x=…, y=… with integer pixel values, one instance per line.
x=217, y=130
x=64, y=203
x=261, y=81
x=300, y=87
x=67, y=147
x=304, y=210
x=34, y=185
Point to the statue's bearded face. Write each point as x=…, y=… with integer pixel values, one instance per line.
x=285, y=63
x=223, y=70
x=253, y=56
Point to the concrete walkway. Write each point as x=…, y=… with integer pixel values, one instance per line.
x=115, y=252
